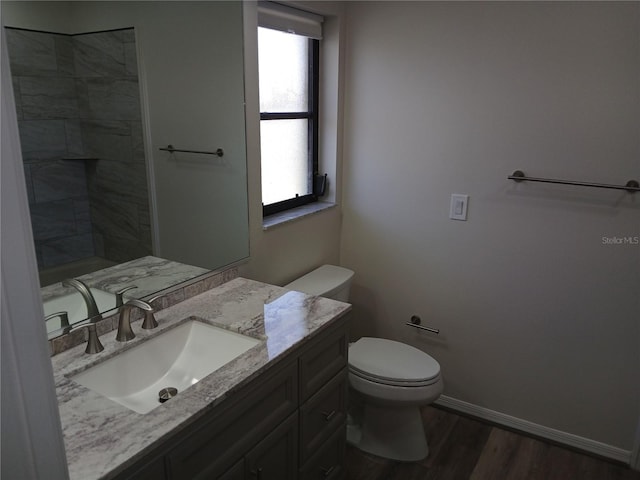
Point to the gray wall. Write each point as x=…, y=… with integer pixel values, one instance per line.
x=78, y=96
x=538, y=315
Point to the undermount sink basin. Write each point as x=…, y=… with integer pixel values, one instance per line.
x=177, y=358
x=75, y=306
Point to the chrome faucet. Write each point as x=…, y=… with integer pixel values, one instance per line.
x=87, y=296
x=125, y=333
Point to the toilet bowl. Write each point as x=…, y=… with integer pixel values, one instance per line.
x=393, y=381
x=389, y=381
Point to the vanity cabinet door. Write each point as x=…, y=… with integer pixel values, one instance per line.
x=323, y=411
x=322, y=361
x=322, y=415
x=234, y=473
x=276, y=456
x=328, y=462
x=148, y=470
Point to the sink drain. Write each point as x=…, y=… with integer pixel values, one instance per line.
x=167, y=393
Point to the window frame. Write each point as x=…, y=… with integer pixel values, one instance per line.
x=312, y=133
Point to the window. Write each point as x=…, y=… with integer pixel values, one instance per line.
x=288, y=72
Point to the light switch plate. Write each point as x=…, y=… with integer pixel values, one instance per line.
x=458, y=208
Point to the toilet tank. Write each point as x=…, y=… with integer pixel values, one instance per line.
x=327, y=281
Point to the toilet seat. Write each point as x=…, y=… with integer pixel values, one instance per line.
x=392, y=363
x=389, y=382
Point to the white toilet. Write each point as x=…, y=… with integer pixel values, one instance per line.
x=389, y=381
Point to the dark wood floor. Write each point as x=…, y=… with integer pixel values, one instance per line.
x=463, y=448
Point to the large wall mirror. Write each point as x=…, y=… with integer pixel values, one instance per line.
x=101, y=89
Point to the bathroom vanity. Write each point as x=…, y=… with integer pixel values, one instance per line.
x=277, y=411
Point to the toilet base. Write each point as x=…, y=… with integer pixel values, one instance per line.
x=393, y=433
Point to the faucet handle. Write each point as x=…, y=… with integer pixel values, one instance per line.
x=64, y=318
x=125, y=333
x=149, y=321
x=120, y=293
x=147, y=309
x=93, y=343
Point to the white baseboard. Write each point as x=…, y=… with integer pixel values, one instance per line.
x=558, y=436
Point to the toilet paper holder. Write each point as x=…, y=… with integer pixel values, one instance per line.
x=416, y=321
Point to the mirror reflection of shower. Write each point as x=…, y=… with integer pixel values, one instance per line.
x=79, y=116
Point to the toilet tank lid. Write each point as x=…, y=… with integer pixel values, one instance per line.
x=392, y=361
x=322, y=281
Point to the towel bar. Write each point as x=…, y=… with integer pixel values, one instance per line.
x=170, y=148
x=631, y=186
x=415, y=322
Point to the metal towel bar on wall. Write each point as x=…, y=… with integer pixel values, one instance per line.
x=170, y=148
x=631, y=186
x=415, y=322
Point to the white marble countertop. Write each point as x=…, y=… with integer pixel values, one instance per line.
x=102, y=437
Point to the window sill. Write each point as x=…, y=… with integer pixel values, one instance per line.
x=294, y=214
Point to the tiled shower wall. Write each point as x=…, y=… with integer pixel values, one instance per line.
x=78, y=106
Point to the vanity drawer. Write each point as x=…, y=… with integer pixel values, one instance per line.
x=328, y=463
x=325, y=412
x=243, y=417
x=322, y=361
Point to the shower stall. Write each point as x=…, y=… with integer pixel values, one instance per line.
x=78, y=106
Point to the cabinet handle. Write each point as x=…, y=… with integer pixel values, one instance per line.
x=327, y=471
x=329, y=416
x=257, y=473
